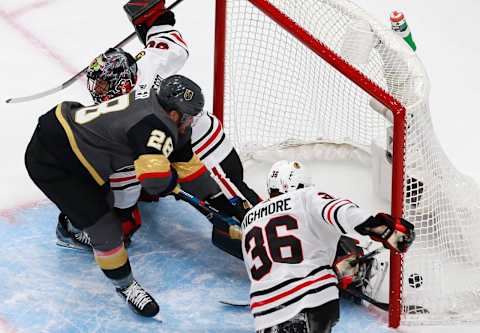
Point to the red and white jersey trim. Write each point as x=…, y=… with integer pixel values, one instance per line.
x=125, y=186
x=283, y=301
x=209, y=141
x=165, y=54
x=228, y=188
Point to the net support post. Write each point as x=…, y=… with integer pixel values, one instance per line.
x=219, y=58
x=398, y=178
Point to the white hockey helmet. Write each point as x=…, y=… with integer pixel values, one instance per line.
x=286, y=176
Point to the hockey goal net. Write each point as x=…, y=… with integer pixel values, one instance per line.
x=291, y=72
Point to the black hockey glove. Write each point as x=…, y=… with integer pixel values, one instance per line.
x=171, y=185
x=148, y=14
x=223, y=205
x=167, y=18
x=383, y=228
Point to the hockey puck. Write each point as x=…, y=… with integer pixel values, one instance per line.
x=415, y=280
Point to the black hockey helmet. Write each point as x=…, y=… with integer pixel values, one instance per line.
x=181, y=94
x=111, y=74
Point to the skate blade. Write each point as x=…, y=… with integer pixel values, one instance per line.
x=71, y=246
x=158, y=317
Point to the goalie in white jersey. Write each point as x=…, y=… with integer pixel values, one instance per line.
x=289, y=244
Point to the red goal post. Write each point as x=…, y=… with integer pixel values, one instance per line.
x=264, y=49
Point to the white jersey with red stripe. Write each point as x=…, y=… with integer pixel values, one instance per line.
x=208, y=140
x=165, y=54
x=289, y=244
x=125, y=186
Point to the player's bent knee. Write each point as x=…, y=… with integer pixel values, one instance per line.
x=106, y=234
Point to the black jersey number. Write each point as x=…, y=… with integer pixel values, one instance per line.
x=275, y=244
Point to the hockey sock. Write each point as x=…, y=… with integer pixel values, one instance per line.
x=115, y=265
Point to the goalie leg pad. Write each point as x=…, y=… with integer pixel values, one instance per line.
x=222, y=240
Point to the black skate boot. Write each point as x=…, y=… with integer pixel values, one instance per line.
x=70, y=237
x=139, y=300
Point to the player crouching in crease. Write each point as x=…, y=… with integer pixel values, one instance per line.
x=289, y=243
x=115, y=73
x=110, y=75
x=74, y=150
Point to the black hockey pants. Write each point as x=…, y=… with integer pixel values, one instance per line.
x=62, y=178
x=320, y=319
x=233, y=169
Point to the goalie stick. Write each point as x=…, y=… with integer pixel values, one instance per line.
x=362, y=296
x=73, y=79
x=238, y=304
x=352, y=292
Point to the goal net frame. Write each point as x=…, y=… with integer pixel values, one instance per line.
x=397, y=109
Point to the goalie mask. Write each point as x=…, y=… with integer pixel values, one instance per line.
x=286, y=176
x=111, y=74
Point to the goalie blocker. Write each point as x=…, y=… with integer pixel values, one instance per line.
x=144, y=15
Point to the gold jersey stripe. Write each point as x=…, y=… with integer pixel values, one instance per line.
x=76, y=150
x=112, y=261
x=185, y=169
x=150, y=163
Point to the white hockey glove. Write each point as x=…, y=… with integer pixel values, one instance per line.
x=383, y=228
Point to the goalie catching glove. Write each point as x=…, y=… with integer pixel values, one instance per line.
x=383, y=228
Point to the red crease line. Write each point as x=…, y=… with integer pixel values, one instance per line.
x=30, y=7
x=37, y=43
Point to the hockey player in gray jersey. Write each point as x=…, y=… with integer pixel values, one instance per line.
x=289, y=243
x=116, y=72
x=110, y=75
x=75, y=149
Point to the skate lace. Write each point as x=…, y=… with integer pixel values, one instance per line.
x=135, y=294
x=83, y=238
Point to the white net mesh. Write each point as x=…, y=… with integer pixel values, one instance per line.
x=278, y=92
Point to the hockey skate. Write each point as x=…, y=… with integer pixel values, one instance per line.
x=139, y=300
x=70, y=237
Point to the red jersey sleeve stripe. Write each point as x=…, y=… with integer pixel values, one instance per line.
x=155, y=175
x=330, y=211
x=210, y=140
x=291, y=291
x=194, y=175
x=177, y=36
x=224, y=182
x=122, y=179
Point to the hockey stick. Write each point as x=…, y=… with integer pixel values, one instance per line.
x=354, y=293
x=226, y=224
x=238, y=304
x=73, y=79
